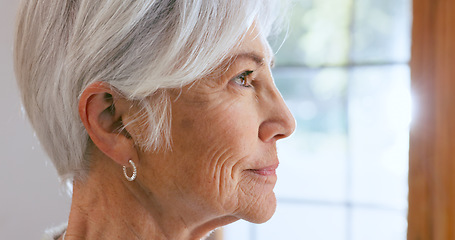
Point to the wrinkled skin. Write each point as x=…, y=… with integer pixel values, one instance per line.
x=224, y=129
x=221, y=166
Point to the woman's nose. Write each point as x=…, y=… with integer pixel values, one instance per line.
x=278, y=120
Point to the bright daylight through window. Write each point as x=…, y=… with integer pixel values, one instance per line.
x=344, y=74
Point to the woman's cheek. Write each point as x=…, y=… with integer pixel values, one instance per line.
x=225, y=176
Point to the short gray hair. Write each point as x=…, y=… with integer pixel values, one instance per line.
x=139, y=47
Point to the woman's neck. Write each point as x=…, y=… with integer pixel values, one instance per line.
x=105, y=207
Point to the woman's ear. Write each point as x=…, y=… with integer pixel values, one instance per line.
x=101, y=110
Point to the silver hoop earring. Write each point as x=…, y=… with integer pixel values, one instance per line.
x=134, y=172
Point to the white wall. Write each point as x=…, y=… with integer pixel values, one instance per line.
x=31, y=199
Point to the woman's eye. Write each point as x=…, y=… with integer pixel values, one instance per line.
x=242, y=79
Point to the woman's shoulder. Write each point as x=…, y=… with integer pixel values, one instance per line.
x=54, y=233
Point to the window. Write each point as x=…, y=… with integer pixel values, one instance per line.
x=344, y=74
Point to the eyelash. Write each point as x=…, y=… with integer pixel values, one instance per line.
x=243, y=77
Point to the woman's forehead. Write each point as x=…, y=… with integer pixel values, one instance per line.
x=255, y=47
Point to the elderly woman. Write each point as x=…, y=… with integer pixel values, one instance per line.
x=163, y=114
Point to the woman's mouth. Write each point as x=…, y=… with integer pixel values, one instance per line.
x=266, y=171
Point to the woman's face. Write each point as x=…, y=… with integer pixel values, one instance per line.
x=224, y=132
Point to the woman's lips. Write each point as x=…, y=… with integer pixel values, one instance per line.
x=266, y=171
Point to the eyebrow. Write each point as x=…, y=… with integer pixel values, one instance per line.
x=257, y=58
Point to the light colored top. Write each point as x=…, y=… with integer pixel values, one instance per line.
x=54, y=233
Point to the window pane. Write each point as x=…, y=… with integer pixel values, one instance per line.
x=378, y=224
x=381, y=31
x=303, y=222
x=379, y=117
x=295, y=221
x=313, y=160
x=318, y=34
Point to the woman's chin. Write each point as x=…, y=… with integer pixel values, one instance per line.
x=261, y=213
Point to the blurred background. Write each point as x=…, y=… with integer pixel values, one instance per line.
x=344, y=74
x=31, y=198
